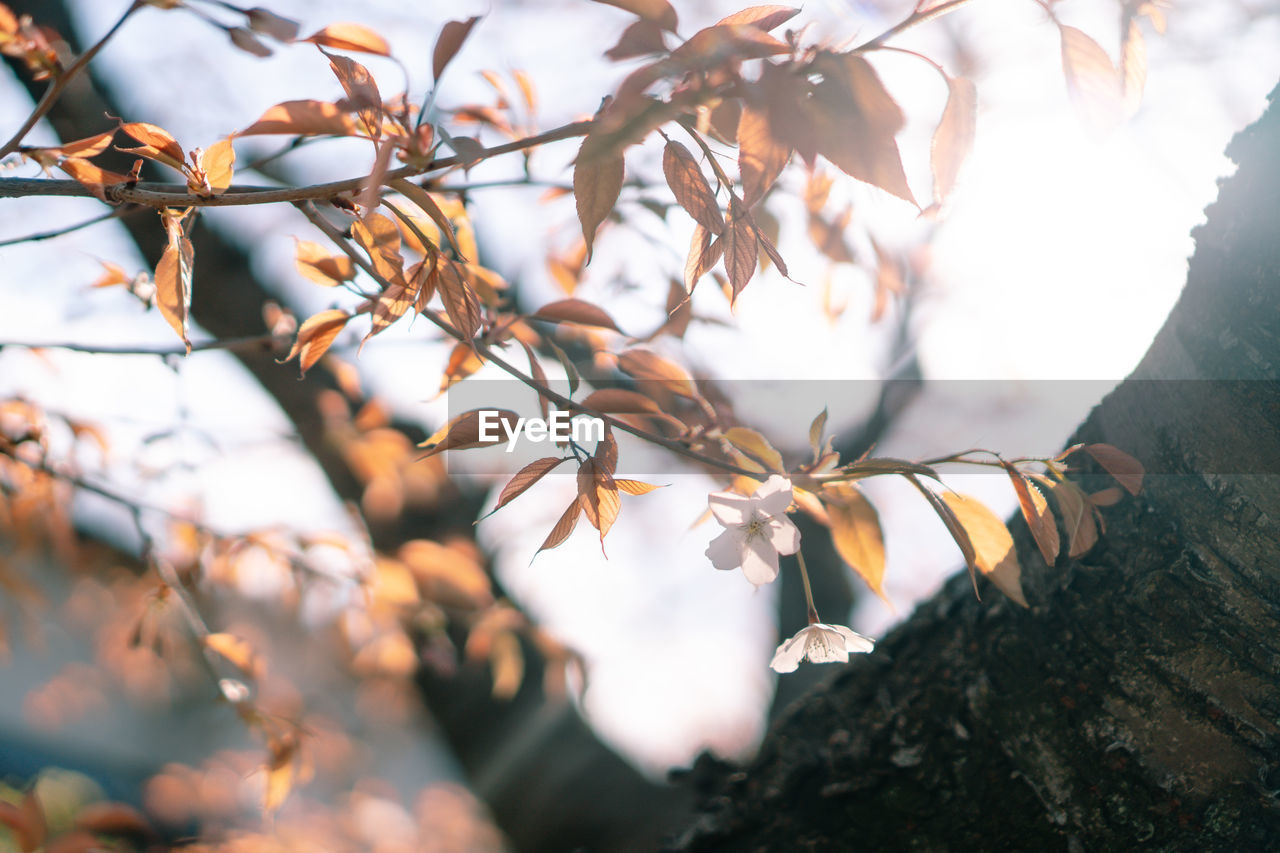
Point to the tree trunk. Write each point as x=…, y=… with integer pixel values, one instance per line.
x=1137, y=702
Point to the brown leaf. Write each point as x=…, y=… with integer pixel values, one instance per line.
x=575, y=311
x=89, y=147
x=1093, y=82
x=564, y=526
x=1035, y=510
x=245, y=40
x=690, y=187
x=855, y=121
x=1107, y=497
x=703, y=254
x=507, y=662
x=1077, y=517
x=638, y=39
x=303, y=118
x=761, y=154
x=315, y=262
x=463, y=432
x=526, y=477
x=459, y=299
x=270, y=24
x=857, y=536
x=353, y=37
x=113, y=819
x=597, y=183
x=954, y=137
x=362, y=91
x=606, y=453
x=1127, y=471
x=449, y=42
x=315, y=336
x=993, y=548
x=740, y=249
x=93, y=176
x=658, y=12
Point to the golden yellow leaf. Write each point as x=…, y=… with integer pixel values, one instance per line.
x=994, y=553
x=173, y=285
x=1035, y=510
x=303, y=118
x=315, y=262
x=464, y=431
x=599, y=494
x=856, y=534
x=564, y=526
x=218, y=163
x=635, y=487
x=459, y=299
x=756, y=446
x=236, y=651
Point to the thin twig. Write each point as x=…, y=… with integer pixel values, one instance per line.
x=262, y=342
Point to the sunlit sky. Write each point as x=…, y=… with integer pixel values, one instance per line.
x=1060, y=258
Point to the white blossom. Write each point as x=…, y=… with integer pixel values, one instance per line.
x=756, y=531
x=820, y=644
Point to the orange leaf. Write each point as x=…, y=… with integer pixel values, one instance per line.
x=635, y=487
x=316, y=335
x=597, y=183
x=173, y=286
x=303, y=118
x=315, y=262
x=1133, y=63
x=1127, y=471
x=857, y=536
x=463, y=361
x=362, y=91
x=430, y=207
x=1093, y=82
x=1035, y=509
x=353, y=37
x=761, y=154
x=954, y=136
x=993, y=548
x=380, y=239
x=953, y=525
x=620, y=401
x=94, y=177
x=158, y=143
x=391, y=305
x=564, y=526
x=690, y=187
x=599, y=494
x=450, y=40
x=526, y=477
x=756, y=446
x=90, y=146
x=575, y=311
x=658, y=12
x=1077, y=517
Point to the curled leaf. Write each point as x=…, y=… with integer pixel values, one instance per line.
x=316, y=335
x=575, y=311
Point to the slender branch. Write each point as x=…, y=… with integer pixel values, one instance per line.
x=176, y=195
x=68, y=229
x=61, y=82
x=915, y=19
x=258, y=342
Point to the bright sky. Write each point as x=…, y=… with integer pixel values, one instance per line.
x=1060, y=258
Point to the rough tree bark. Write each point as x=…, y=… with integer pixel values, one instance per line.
x=1137, y=703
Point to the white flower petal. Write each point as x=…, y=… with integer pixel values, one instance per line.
x=759, y=561
x=774, y=496
x=855, y=642
x=783, y=535
x=787, y=657
x=823, y=645
x=729, y=508
x=725, y=551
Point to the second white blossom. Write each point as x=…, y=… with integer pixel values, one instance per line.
x=756, y=531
